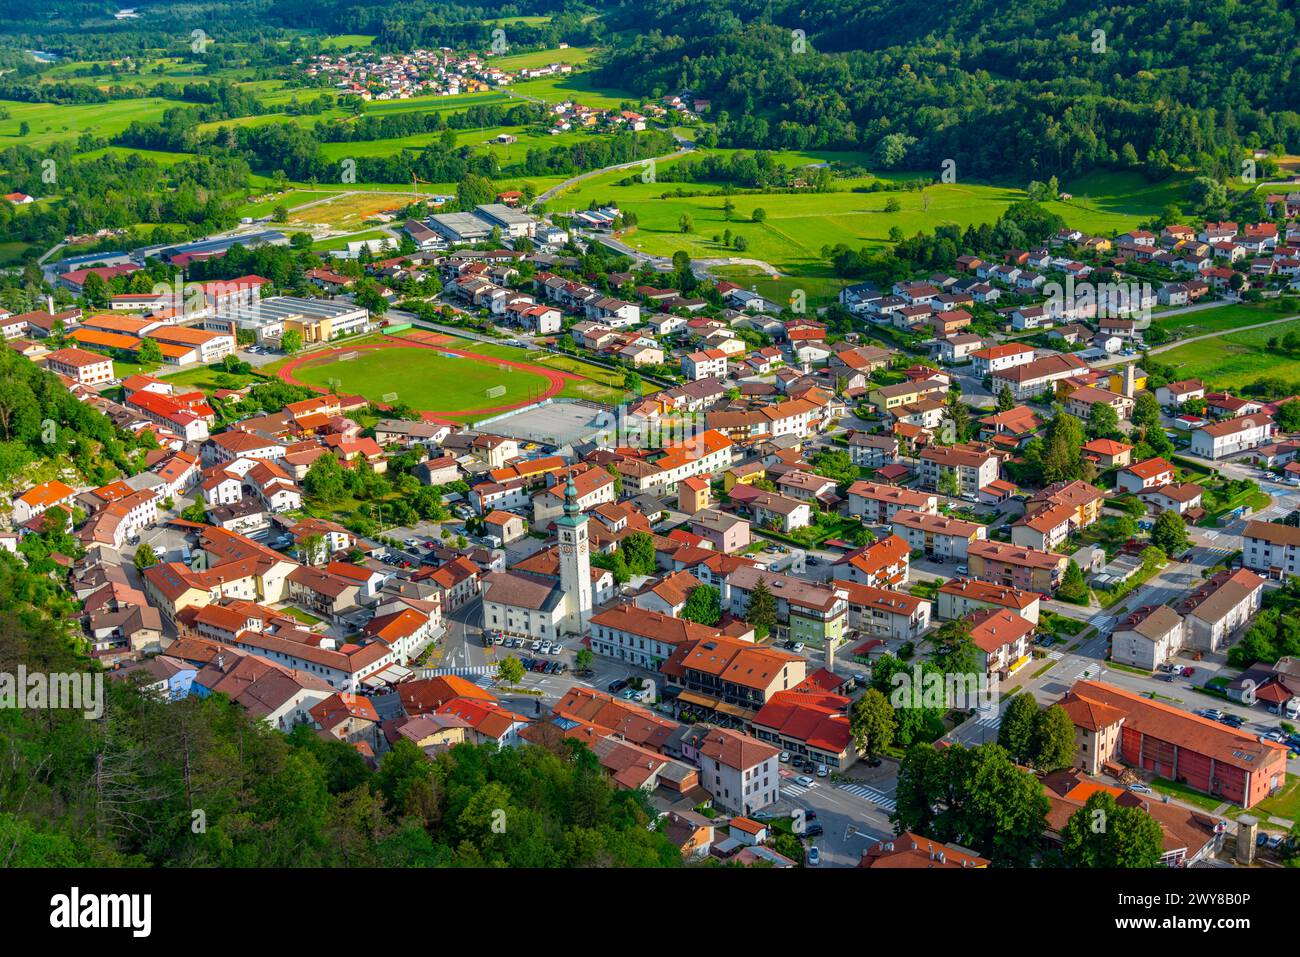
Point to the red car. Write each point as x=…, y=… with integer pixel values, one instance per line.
x=1188, y=672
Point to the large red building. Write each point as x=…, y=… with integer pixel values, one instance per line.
x=1113, y=725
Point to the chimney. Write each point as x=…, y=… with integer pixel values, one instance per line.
x=830, y=655
x=1130, y=380
x=1246, y=828
x=49, y=304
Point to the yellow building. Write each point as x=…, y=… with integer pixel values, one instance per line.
x=746, y=474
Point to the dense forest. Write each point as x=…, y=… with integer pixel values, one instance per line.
x=1050, y=86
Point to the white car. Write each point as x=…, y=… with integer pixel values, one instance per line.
x=546, y=647
x=1139, y=789
x=962, y=569
x=823, y=770
x=798, y=648
x=535, y=646
x=814, y=856
x=804, y=781
x=784, y=757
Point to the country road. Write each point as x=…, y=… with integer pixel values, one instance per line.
x=559, y=188
x=1115, y=360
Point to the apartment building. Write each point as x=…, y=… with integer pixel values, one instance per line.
x=82, y=367
x=1219, y=606
x=961, y=597
x=1016, y=566
x=876, y=503
x=740, y=772
x=885, y=613
x=967, y=468
x=1271, y=549
x=1034, y=378
x=937, y=536
x=1229, y=437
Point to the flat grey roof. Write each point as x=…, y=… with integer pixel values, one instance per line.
x=284, y=307
x=455, y=225
x=503, y=213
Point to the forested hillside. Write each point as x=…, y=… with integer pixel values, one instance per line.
x=1002, y=88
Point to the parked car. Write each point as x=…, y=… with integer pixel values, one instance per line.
x=539, y=664
x=1139, y=789
x=962, y=569
x=535, y=646
x=784, y=757
x=1261, y=839
x=798, y=647
x=1188, y=672
x=823, y=770
x=1275, y=842
x=813, y=830
x=814, y=856
x=617, y=685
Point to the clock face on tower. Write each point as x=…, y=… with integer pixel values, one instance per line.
x=566, y=549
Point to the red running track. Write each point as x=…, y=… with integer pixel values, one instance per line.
x=554, y=377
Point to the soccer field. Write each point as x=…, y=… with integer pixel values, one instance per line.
x=426, y=379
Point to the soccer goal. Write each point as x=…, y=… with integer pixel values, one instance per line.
x=390, y=397
x=346, y=356
x=496, y=392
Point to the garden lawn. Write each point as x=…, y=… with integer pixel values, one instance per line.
x=425, y=379
x=1183, y=793
x=1284, y=804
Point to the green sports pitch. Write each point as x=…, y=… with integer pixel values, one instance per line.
x=426, y=379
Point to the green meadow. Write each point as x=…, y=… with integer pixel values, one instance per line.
x=52, y=122
x=1236, y=359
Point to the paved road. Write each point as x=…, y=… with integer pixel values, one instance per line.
x=1182, y=342
x=572, y=180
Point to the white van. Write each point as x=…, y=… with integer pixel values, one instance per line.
x=1293, y=709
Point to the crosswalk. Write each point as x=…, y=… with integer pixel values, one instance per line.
x=790, y=789
x=468, y=671
x=991, y=721
x=1056, y=655
x=869, y=793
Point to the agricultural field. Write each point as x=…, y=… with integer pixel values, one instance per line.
x=576, y=56
x=798, y=225
x=1107, y=202
x=1223, y=318
x=259, y=206
x=427, y=379
x=575, y=86
x=54, y=122
x=1236, y=359
x=158, y=156
x=347, y=41
x=348, y=210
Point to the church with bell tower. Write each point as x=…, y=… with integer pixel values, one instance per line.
x=575, y=562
